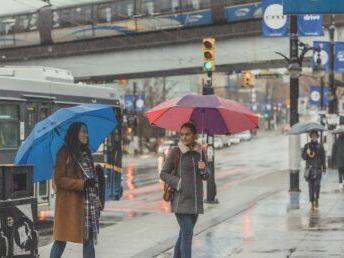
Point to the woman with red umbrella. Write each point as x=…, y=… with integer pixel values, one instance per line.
x=187, y=202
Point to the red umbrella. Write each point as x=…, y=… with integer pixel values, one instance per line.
x=210, y=114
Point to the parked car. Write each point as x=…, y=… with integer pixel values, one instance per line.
x=245, y=136
x=164, y=150
x=234, y=139
x=218, y=144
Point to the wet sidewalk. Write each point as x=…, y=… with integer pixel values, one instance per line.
x=268, y=230
x=251, y=221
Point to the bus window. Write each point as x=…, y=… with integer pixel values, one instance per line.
x=43, y=190
x=9, y=126
x=164, y=6
x=82, y=15
x=30, y=118
x=147, y=7
x=22, y=23
x=103, y=13
x=56, y=19
x=175, y=5
x=33, y=22
x=65, y=19
x=203, y=4
x=122, y=10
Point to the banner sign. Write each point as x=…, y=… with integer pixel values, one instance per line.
x=339, y=57
x=324, y=54
x=129, y=103
x=315, y=96
x=312, y=6
x=310, y=25
x=275, y=24
x=243, y=12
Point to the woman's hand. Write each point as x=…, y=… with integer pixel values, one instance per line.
x=201, y=165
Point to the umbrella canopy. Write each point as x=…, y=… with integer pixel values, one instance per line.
x=210, y=114
x=338, y=131
x=47, y=137
x=306, y=127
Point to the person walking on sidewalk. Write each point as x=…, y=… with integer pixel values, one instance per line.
x=187, y=201
x=338, y=158
x=77, y=207
x=314, y=155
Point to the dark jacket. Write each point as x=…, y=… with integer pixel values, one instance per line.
x=189, y=198
x=338, y=152
x=318, y=162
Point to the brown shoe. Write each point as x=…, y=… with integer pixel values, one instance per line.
x=312, y=206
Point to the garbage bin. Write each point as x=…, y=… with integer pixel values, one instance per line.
x=18, y=234
x=18, y=213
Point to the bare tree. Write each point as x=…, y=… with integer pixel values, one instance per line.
x=156, y=90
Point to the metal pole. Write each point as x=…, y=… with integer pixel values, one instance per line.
x=332, y=90
x=211, y=185
x=333, y=96
x=294, y=140
x=322, y=85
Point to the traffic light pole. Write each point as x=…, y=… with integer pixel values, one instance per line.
x=211, y=185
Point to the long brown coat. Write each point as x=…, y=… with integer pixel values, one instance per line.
x=69, y=206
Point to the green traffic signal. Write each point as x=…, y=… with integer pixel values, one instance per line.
x=208, y=66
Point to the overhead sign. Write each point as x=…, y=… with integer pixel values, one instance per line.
x=312, y=6
x=275, y=23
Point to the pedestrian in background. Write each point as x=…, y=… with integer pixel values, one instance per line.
x=314, y=155
x=187, y=201
x=338, y=158
x=77, y=205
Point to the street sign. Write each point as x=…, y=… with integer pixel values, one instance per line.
x=312, y=6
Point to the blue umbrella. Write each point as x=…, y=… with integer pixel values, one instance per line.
x=47, y=137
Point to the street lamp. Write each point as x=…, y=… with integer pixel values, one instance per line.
x=295, y=69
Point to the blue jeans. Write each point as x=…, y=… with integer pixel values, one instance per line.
x=186, y=223
x=59, y=247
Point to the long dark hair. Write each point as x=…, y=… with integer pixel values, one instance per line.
x=72, y=143
x=191, y=126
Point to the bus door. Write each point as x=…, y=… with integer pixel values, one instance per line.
x=35, y=112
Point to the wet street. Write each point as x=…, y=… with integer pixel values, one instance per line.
x=251, y=219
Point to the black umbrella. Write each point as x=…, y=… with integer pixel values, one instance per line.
x=338, y=131
x=306, y=127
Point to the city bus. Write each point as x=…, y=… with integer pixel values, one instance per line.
x=29, y=94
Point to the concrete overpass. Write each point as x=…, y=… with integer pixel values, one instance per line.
x=239, y=46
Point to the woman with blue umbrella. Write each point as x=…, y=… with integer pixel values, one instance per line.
x=77, y=207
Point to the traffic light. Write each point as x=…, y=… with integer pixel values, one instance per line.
x=209, y=55
x=247, y=79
